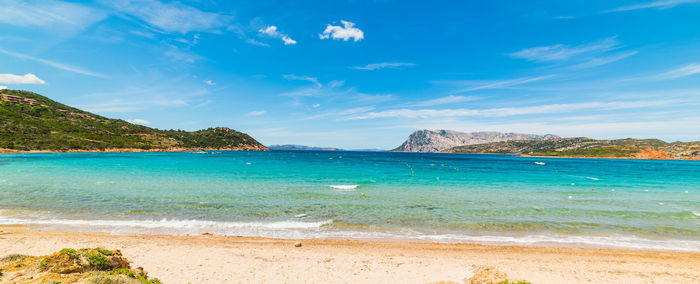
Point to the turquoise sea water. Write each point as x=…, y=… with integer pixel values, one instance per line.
x=430, y=197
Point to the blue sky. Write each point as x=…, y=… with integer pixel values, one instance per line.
x=365, y=74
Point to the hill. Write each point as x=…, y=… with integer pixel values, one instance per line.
x=438, y=140
x=31, y=122
x=588, y=148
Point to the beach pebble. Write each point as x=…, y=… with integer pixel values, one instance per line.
x=571, y=197
x=298, y=244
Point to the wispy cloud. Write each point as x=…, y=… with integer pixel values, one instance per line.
x=119, y=105
x=382, y=65
x=688, y=70
x=663, y=4
x=54, y=64
x=561, y=52
x=498, y=84
x=138, y=121
x=176, y=54
x=210, y=83
x=313, y=80
x=272, y=32
x=55, y=15
x=599, y=61
x=502, y=112
x=204, y=103
x=20, y=79
x=257, y=112
x=451, y=99
x=346, y=32
x=255, y=42
x=170, y=17
x=581, y=56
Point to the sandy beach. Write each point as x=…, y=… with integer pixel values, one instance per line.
x=220, y=259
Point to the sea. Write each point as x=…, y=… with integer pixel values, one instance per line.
x=379, y=196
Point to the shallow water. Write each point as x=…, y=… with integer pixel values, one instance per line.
x=293, y=194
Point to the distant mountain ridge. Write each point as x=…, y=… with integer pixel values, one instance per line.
x=294, y=147
x=582, y=147
x=439, y=140
x=31, y=122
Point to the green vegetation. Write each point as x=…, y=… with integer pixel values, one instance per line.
x=96, y=265
x=53, y=126
x=104, y=251
x=96, y=260
x=514, y=282
x=44, y=263
x=586, y=147
x=70, y=252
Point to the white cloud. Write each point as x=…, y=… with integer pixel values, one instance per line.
x=257, y=113
x=54, y=15
x=20, y=79
x=316, y=105
x=303, y=78
x=3, y=87
x=272, y=32
x=345, y=33
x=54, y=64
x=138, y=121
x=561, y=52
x=688, y=70
x=503, y=112
x=170, y=17
x=663, y=4
x=255, y=42
x=382, y=65
x=210, y=83
x=451, y=99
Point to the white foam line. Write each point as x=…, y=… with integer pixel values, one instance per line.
x=307, y=230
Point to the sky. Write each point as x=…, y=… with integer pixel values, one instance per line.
x=365, y=74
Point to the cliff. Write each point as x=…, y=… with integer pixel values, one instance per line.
x=438, y=140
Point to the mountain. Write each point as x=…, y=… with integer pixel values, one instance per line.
x=31, y=122
x=438, y=140
x=589, y=148
x=293, y=147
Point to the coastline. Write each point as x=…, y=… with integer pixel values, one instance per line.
x=220, y=259
x=131, y=150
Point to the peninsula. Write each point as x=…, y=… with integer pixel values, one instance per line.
x=33, y=123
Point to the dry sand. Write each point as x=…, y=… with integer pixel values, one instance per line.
x=218, y=259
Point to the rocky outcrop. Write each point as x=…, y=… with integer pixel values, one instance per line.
x=438, y=140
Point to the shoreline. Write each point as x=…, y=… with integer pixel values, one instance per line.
x=128, y=150
x=177, y=150
x=213, y=258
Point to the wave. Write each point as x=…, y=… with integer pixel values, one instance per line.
x=171, y=226
x=325, y=229
x=345, y=186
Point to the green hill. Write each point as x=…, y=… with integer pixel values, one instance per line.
x=29, y=121
x=588, y=148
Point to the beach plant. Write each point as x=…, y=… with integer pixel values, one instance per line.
x=96, y=260
x=70, y=252
x=104, y=251
x=44, y=263
x=123, y=271
x=513, y=282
